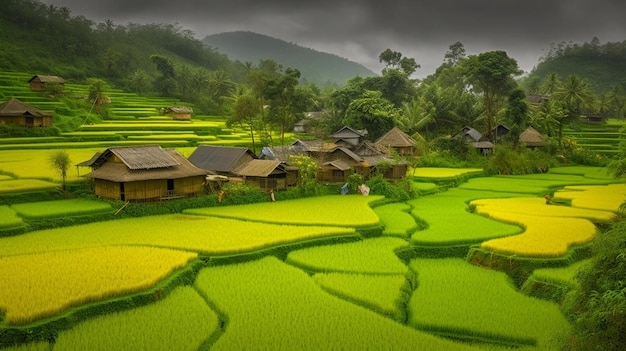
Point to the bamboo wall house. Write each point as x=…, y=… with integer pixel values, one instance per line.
x=14, y=112
x=144, y=173
x=39, y=82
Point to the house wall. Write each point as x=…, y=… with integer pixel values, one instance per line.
x=189, y=185
x=107, y=189
x=268, y=183
x=23, y=121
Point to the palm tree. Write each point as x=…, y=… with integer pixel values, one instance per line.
x=576, y=94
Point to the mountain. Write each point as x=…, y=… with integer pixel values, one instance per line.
x=315, y=67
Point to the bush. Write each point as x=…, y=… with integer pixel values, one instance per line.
x=520, y=160
x=400, y=191
x=21, y=132
x=598, y=309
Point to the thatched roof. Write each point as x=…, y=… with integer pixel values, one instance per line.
x=47, y=79
x=15, y=107
x=177, y=110
x=90, y=162
x=396, y=138
x=179, y=167
x=300, y=146
x=258, y=168
x=219, y=158
x=483, y=145
x=531, y=137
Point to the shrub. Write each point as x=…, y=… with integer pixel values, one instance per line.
x=520, y=160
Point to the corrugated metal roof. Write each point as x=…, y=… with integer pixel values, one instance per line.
x=144, y=157
x=219, y=158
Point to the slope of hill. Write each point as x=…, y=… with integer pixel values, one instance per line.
x=316, y=67
x=602, y=65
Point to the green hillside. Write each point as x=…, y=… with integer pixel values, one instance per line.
x=602, y=65
x=316, y=67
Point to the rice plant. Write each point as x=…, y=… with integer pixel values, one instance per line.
x=207, y=235
x=21, y=185
x=396, y=219
x=272, y=306
x=448, y=221
x=381, y=293
x=335, y=210
x=607, y=198
x=61, y=208
x=458, y=299
x=33, y=346
x=181, y=321
x=36, y=286
x=8, y=218
x=536, y=206
x=373, y=256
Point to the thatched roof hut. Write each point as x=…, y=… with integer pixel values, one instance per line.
x=267, y=174
x=531, y=137
x=182, y=113
x=15, y=112
x=397, y=140
x=144, y=173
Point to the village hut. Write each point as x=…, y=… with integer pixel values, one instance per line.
x=144, y=173
x=348, y=137
x=14, y=112
x=266, y=174
x=531, y=138
x=180, y=113
x=222, y=160
x=399, y=141
x=39, y=82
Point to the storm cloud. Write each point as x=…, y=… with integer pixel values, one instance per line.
x=361, y=30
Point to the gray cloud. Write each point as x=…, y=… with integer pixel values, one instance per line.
x=360, y=30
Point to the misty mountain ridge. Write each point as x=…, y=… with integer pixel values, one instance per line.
x=316, y=67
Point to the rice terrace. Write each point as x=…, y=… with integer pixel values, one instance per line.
x=268, y=214
x=448, y=269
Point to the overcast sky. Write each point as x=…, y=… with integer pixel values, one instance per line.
x=360, y=30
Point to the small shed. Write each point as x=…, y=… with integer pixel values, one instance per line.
x=266, y=174
x=531, y=138
x=15, y=112
x=399, y=141
x=39, y=82
x=180, y=113
x=144, y=173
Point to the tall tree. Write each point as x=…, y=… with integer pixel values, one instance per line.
x=372, y=112
x=491, y=74
x=281, y=94
x=246, y=114
x=516, y=114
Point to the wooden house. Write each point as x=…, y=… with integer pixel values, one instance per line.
x=144, y=173
x=266, y=174
x=14, y=112
x=398, y=141
x=222, y=160
x=348, y=137
x=180, y=113
x=39, y=82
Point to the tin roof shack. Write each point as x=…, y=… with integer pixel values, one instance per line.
x=14, y=112
x=399, y=141
x=39, y=82
x=179, y=113
x=222, y=160
x=144, y=173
